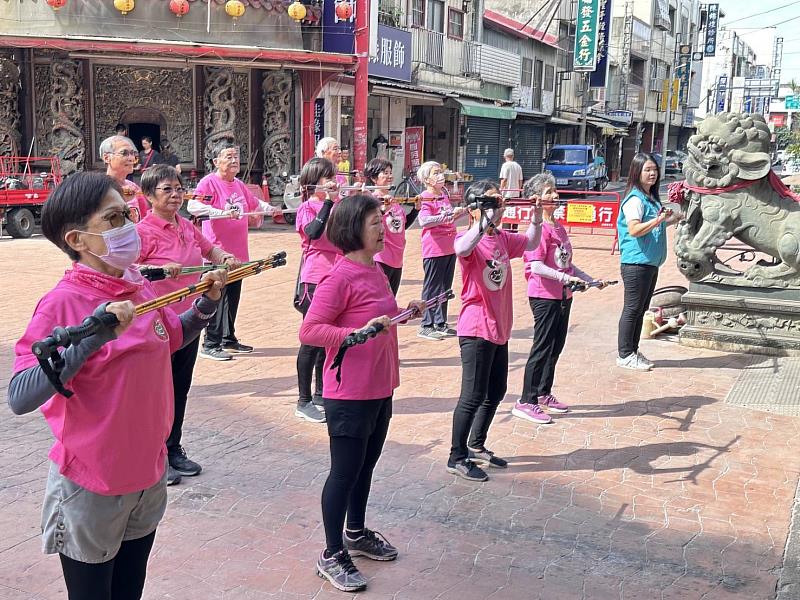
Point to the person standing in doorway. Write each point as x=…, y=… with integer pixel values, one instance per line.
x=510, y=175
x=149, y=156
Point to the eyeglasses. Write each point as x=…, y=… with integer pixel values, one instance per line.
x=169, y=190
x=118, y=218
x=230, y=157
x=125, y=153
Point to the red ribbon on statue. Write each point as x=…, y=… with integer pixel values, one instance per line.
x=677, y=189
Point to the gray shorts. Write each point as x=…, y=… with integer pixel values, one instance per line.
x=89, y=527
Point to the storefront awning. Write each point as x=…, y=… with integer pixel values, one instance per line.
x=474, y=108
x=415, y=97
x=559, y=121
x=607, y=129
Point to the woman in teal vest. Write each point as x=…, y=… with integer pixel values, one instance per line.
x=642, y=230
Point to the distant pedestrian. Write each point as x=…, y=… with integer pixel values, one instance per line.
x=120, y=156
x=642, y=232
x=329, y=148
x=149, y=156
x=510, y=175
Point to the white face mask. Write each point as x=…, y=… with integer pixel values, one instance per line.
x=437, y=179
x=122, y=246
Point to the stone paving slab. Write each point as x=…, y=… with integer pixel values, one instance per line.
x=651, y=487
x=773, y=386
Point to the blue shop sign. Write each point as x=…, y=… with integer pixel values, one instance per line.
x=393, y=59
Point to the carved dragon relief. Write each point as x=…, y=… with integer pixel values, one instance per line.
x=10, y=137
x=731, y=192
x=220, y=111
x=66, y=110
x=276, y=88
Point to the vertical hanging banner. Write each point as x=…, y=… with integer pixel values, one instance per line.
x=599, y=77
x=319, y=119
x=338, y=26
x=712, y=22
x=722, y=90
x=586, y=29
x=415, y=144
x=684, y=70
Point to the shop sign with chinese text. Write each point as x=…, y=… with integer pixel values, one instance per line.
x=712, y=22
x=393, y=57
x=586, y=30
x=578, y=213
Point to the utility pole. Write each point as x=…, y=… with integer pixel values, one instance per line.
x=361, y=91
x=584, y=107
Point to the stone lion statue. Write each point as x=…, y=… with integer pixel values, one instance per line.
x=730, y=191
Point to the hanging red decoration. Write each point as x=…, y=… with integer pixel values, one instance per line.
x=56, y=4
x=179, y=7
x=344, y=11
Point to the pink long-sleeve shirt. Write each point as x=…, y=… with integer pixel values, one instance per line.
x=345, y=299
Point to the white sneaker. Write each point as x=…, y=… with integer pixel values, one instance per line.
x=632, y=362
x=644, y=359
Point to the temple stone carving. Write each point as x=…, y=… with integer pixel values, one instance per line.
x=10, y=136
x=66, y=110
x=219, y=109
x=731, y=192
x=276, y=88
x=119, y=90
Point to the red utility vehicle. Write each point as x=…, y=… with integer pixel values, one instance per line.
x=25, y=183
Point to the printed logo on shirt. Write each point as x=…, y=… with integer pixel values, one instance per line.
x=394, y=223
x=160, y=330
x=496, y=271
x=235, y=201
x=563, y=256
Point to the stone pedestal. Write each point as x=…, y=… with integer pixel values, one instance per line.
x=740, y=319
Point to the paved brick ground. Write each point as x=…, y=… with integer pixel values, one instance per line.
x=650, y=488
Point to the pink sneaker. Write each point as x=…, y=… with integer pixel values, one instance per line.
x=551, y=404
x=530, y=412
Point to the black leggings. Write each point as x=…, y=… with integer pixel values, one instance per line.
x=353, y=459
x=439, y=272
x=640, y=283
x=183, y=362
x=484, y=377
x=550, y=325
x=121, y=578
x=310, y=359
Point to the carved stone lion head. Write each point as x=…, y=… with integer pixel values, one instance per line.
x=728, y=148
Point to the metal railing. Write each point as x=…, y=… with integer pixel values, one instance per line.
x=429, y=47
x=472, y=59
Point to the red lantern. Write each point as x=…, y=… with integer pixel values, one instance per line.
x=344, y=11
x=179, y=7
x=56, y=4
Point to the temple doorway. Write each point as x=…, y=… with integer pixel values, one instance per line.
x=136, y=131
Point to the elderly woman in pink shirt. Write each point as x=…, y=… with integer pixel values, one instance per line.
x=358, y=405
x=172, y=242
x=110, y=408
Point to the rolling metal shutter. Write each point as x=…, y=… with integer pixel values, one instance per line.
x=486, y=140
x=527, y=140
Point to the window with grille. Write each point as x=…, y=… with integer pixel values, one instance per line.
x=527, y=72
x=418, y=13
x=436, y=15
x=549, y=78
x=538, y=70
x=455, y=24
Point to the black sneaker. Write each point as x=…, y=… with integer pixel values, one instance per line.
x=372, y=545
x=173, y=477
x=216, y=353
x=429, y=333
x=446, y=331
x=341, y=572
x=309, y=412
x=468, y=470
x=316, y=399
x=180, y=463
x=486, y=457
x=237, y=348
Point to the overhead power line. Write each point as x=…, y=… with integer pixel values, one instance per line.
x=758, y=14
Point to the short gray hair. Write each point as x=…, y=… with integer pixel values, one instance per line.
x=508, y=152
x=107, y=145
x=324, y=145
x=537, y=184
x=425, y=169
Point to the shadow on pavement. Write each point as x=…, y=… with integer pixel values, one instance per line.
x=660, y=407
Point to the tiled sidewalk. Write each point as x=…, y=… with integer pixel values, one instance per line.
x=651, y=487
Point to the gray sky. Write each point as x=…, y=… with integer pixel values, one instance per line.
x=736, y=11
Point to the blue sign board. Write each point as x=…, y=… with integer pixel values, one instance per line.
x=598, y=77
x=722, y=89
x=338, y=35
x=712, y=22
x=393, y=59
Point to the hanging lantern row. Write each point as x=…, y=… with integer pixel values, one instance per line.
x=179, y=7
x=234, y=8
x=56, y=4
x=297, y=10
x=344, y=11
